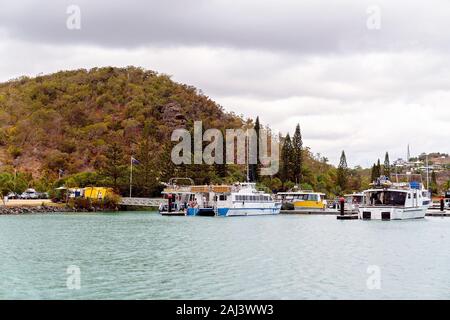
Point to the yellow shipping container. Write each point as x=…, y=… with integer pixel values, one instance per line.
x=97, y=192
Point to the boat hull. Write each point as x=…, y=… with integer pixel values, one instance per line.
x=309, y=205
x=173, y=213
x=391, y=213
x=241, y=211
x=233, y=212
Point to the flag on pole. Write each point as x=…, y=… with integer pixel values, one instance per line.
x=135, y=161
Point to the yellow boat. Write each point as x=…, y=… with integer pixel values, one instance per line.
x=304, y=200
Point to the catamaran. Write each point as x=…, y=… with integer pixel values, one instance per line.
x=395, y=201
x=241, y=199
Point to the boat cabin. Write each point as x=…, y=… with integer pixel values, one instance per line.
x=353, y=201
x=305, y=199
x=396, y=197
x=300, y=196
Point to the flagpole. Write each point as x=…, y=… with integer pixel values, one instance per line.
x=131, y=173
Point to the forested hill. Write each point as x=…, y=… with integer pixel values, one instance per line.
x=66, y=120
x=81, y=127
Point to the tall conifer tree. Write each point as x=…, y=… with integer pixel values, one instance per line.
x=342, y=172
x=387, y=166
x=297, y=151
x=286, y=159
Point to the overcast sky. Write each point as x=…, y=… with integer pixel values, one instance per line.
x=363, y=76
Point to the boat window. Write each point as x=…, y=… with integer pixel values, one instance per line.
x=388, y=198
x=313, y=197
x=222, y=197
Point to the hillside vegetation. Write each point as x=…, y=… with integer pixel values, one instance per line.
x=81, y=127
x=65, y=123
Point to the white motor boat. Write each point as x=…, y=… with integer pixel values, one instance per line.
x=242, y=199
x=395, y=201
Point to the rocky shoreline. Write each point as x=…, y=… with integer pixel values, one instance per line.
x=36, y=210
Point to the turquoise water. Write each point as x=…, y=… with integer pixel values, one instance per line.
x=147, y=256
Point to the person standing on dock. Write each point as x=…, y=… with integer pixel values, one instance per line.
x=342, y=205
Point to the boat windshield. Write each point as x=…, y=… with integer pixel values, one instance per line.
x=354, y=199
x=386, y=198
x=309, y=197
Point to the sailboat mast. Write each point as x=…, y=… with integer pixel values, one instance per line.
x=428, y=175
x=248, y=158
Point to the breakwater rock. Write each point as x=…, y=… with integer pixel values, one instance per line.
x=17, y=210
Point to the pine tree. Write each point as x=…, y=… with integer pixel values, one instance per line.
x=297, y=152
x=434, y=185
x=114, y=167
x=146, y=173
x=378, y=168
x=373, y=175
x=254, y=168
x=387, y=166
x=342, y=172
x=168, y=168
x=221, y=168
x=376, y=171
x=286, y=159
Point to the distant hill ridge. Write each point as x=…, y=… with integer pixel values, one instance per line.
x=66, y=120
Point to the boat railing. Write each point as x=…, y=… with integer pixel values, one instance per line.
x=177, y=189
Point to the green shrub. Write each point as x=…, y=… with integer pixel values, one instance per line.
x=15, y=151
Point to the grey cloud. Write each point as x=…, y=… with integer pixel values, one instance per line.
x=290, y=26
x=314, y=63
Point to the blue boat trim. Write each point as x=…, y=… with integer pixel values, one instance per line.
x=224, y=211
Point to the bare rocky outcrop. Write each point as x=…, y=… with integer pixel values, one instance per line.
x=171, y=114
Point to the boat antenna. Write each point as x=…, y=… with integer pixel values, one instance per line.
x=248, y=156
x=428, y=175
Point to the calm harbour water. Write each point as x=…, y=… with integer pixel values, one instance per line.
x=146, y=256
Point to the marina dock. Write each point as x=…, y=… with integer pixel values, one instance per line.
x=321, y=212
x=435, y=213
x=351, y=216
